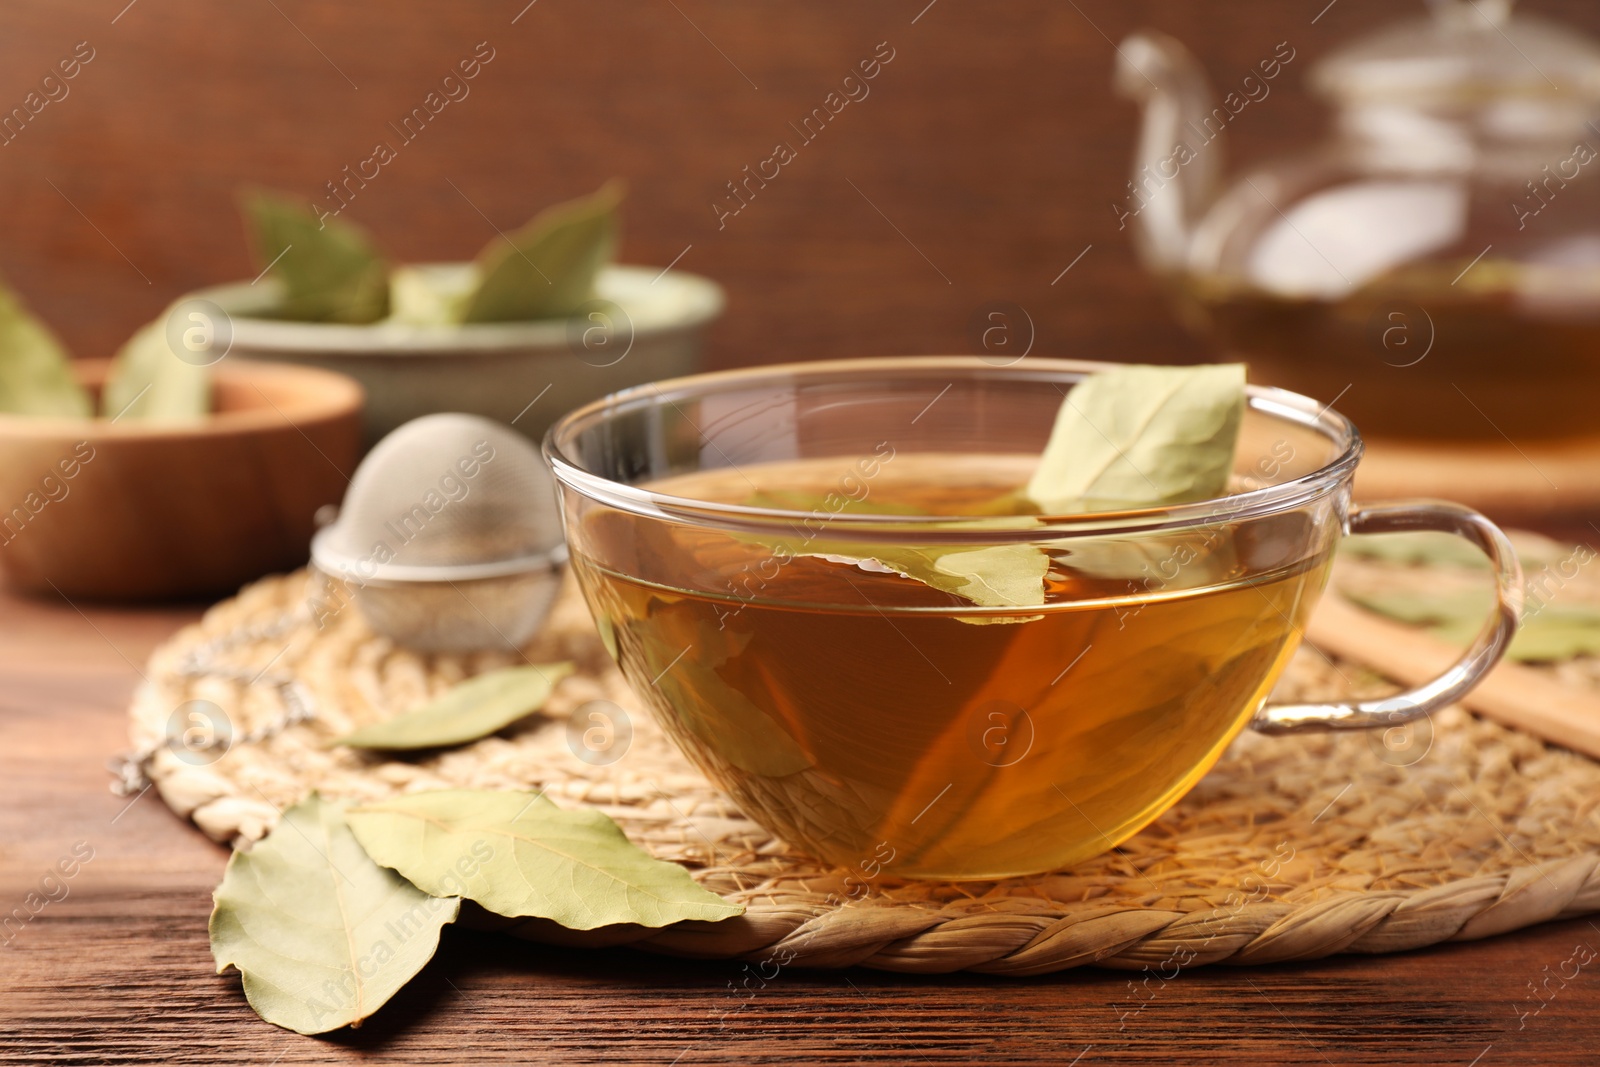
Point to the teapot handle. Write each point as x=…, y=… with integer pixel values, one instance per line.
x=1170, y=186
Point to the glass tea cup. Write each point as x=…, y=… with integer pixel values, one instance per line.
x=727, y=530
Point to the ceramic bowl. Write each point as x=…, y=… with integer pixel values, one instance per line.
x=131, y=511
x=523, y=374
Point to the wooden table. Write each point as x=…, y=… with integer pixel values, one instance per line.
x=119, y=971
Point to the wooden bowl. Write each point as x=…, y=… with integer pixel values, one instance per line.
x=130, y=511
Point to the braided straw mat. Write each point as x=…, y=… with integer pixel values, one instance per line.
x=1293, y=847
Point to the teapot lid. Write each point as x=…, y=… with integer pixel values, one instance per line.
x=1466, y=51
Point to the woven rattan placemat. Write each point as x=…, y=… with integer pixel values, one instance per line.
x=1291, y=848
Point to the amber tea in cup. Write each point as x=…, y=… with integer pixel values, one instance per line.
x=718, y=526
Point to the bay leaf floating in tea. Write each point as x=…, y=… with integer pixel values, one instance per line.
x=328, y=268
x=321, y=934
x=746, y=736
x=1130, y=437
x=1142, y=436
x=35, y=371
x=547, y=269
x=1000, y=576
x=474, y=709
x=147, y=381
x=517, y=854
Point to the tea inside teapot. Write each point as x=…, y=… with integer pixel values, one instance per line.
x=1434, y=266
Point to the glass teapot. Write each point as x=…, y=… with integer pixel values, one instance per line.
x=1434, y=265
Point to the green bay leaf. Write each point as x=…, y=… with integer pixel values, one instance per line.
x=321, y=934
x=547, y=269
x=328, y=269
x=1450, y=607
x=1142, y=436
x=1549, y=633
x=1420, y=547
x=426, y=296
x=35, y=371
x=147, y=381
x=476, y=708
x=1129, y=437
x=517, y=854
x=1558, y=632
x=999, y=576
x=741, y=732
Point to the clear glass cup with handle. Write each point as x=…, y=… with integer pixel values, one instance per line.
x=728, y=531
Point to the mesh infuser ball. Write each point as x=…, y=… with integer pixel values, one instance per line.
x=449, y=537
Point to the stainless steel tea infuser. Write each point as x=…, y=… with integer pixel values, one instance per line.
x=449, y=539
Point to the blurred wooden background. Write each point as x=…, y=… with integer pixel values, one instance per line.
x=992, y=144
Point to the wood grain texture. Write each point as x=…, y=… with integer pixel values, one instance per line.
x=988, y=151
x=991, y=143
x=119, y=971
x=161, y=511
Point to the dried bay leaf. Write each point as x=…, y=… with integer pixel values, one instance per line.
x=1421, y=547
x=1440, y=607
x=428, y=296
x=517, y=854
x=742, y=732
x=994, y=576
x=1142, y=436
x=1129, y=437
x=1550, y=633
x=35, y=371
x=1003, y=575
x=476, y=708
x=1000, y=576
x=547, y=269
x=148, y=382
x=1558, y=632
x=328, y=268
x=687, y=672
x=321, y=934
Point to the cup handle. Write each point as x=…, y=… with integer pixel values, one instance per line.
x=1486, y=649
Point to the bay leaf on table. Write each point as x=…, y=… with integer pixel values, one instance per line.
x=547, y=268
x=518, y=854
x=35, y=371
x=321, y=934
x=147, y=381
x=1433, y=548
x=329, y=269
x=1557, y=632
x=476, y=708
x=1424, y=547
x=1551, y=633
x=1142, y=436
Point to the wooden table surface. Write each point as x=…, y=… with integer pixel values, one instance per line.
x=119, y=971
